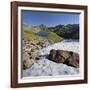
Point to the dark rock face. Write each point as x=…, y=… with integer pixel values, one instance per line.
x=66, y=57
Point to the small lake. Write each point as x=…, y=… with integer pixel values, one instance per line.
x=44, y=34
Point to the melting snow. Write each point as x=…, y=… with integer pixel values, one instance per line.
x=45, y=67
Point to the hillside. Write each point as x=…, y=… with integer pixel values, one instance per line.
x=31, y=33
x=37, y=40
x=69, y=31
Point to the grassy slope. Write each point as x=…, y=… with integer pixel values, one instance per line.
x=29, y=33
x=53, y=36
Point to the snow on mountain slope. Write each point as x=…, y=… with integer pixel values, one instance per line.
x=69, y=46
x=45, y=67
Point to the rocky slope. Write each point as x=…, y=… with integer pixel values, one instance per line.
x=45, y=67
x=31, y=50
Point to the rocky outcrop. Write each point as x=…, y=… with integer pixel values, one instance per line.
x=66, y=57
x=31, y=51
x=28, y=60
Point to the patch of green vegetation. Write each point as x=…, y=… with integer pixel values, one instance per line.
x=29, y=34
x=69, y=31
x=28, y=31
x=53, y=36
x=31, y=29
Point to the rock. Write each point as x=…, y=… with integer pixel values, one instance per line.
x=25, y=55
x=52, y=55
x=58, y=57
x=29, y=59
x=30, y=51
x=66, y=57
x=38, y=47
x=27, y=62
x=33, y=55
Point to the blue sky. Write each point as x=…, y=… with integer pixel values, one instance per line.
x=33, y=18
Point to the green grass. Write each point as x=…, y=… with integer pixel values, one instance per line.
x=53, y=36
x=30, y=33
x=27, y=28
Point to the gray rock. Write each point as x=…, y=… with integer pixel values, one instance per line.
x=66, y=57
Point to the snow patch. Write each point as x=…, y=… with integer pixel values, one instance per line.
x=45, y=67
x=69, y=46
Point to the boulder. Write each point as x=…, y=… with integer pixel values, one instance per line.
x=31, y=51
x=29, y=59
x=34, y=55
x=27, y=62
x=66, y=57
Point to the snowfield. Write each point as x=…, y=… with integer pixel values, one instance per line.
x=68, y=46
x=45, y=67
